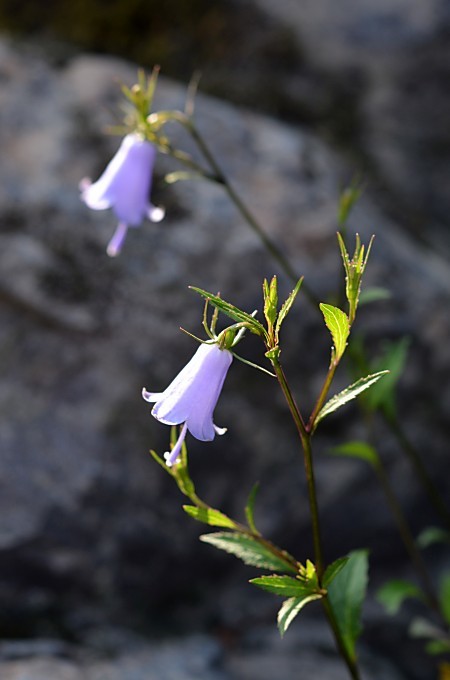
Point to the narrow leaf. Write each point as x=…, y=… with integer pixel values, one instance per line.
x=214, y=518
x=283, y=585
x=182, y=175
x=338, y=324
x=357, y=449
x=250, y=508
x=346, y=594
x=249, y=550
x=348, y=394
x=432, y=535
x=290, y=608
x=444, y=596
x=287, y=304
x=230, y=310
x=394, y=593
x=333, y=570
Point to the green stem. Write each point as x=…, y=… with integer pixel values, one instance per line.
x=407, y=537
x=305, y=438
x=418, y=466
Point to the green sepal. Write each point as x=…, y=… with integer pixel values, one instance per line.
x=393, y=593
x=333, y=570
x=286, y=306
x=214, y=518
x=338, y=324
x=431, y=535
x=346, y=595
x=250, y=508
x=357, y=449
x=290, y=608
x=250, y=550
x=284, y=585
x=233, y=312
x=348, y=394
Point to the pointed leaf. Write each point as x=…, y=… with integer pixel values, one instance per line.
x=394, y=593
x=346, y=594
x=290, y=608
x=338, y=324
x=348, y=394
x=356, y=449
x=233, y=312
x=444, y=596
x=283, y=585
x=333, y=570
x=249, y=550
x=214, y=518
x=287, y=304
x=250, y=508
x=270, y=292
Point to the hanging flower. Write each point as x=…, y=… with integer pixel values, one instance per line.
x=192, y=396
x=125, y=187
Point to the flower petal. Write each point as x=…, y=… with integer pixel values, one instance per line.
x=151, y=396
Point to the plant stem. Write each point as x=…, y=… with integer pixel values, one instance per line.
x=407, y=537
x=418, y=466
x=305, y=438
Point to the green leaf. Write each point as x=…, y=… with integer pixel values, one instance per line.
x=338, y=324
x=181, y=176
x=287, y=304
x=394, y=593
x=333, y=570
x=249, y=550
x=348, y=394
x=233, y=312
x=393, y=359
x=214, y=518
x=432, y=535
x=290, y=608
x=346, y=594
x=373, y=295
x=270, y=292
x=444, y=596
x=357, y=449
x=250, y=508
x=438, y=647
x=283, y=585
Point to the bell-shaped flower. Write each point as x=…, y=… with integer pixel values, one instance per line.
x=191, y=397
x=125, y=187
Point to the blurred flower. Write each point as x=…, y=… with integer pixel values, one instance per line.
x=125, y=187
x=192, y=396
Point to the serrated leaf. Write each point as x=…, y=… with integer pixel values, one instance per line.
x=286, y=306
x=249, y=550
x=432, y=535
x=393, y=359
x=346, y=594
x=290, y=608
x=357, y=449
x=283, y=585
x=348, y=394
x=333, y=570
x=250, y=508
x=214, y=518
x=444, y=596
x=338, y=324
x=230, y=310
x=394, y=593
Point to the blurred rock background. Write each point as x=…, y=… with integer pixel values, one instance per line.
x=101, y=573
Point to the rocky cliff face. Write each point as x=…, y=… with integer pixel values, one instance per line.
x=91, y=531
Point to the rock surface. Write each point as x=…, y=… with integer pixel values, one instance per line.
x=91, y=530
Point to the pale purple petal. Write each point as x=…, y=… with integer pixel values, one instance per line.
x=151, y=396
x=116, y=243
x=171, y=457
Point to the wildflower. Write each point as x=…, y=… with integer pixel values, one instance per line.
x=191, y=397
x=125, y=186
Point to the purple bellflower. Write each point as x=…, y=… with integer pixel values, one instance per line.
x=192, y=396
x=125, y=186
